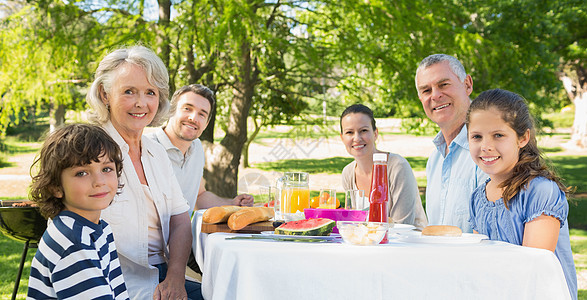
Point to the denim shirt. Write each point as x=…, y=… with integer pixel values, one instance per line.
x=540, y=196
x=451, y=180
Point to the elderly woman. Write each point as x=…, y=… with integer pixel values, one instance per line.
x=149, y=218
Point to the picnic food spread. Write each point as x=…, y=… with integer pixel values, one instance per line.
x=442, y=230
x=314, y=227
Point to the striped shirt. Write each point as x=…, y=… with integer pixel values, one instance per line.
x=76, y=259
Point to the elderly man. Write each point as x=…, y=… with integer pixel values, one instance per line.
x=444, y=88
x=191, y=107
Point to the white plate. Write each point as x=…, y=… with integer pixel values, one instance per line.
x=466, y=238
x=399, y=229
x=332, y=236
x=402, y=227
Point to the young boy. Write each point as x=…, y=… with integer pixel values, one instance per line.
x=79, y=166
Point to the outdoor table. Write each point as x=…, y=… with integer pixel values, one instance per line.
x=254, y=269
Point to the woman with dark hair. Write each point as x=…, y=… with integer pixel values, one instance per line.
x=359, y=133
x=150, y=218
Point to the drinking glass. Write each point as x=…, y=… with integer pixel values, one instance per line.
x=266, y=195
x=355, y=199
x=327, y=198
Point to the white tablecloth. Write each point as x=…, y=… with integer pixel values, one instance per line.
x=252, y=269
x=199, y=238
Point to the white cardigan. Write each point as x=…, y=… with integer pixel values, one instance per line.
x=127, y=214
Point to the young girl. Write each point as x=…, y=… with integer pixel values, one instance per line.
x=358, y=133
x=523, y=202
x=79, y=166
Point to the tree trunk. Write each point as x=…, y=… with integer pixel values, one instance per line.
x=57, y=117
x=249, y=141
x=196, y=75
x=579, y=136
x=222, y=160
x=576, y=88
x=163, y=47
x=208, y=133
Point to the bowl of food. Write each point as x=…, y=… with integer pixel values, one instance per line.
x=336, y=215
x=362, y=233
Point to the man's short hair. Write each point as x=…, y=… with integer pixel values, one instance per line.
x=455, y=65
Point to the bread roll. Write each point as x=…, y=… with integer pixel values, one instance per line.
x=249, y=215
x=219, y=214
x=442, y=230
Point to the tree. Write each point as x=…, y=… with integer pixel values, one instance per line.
x=272, y=60
x=548, y=41
x=247, y=52
x=518, y=45
x=573, y=52
x=35, y=72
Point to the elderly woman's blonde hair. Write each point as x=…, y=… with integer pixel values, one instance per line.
x=138, y=55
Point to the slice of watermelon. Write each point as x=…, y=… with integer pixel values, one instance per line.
x=320, y=227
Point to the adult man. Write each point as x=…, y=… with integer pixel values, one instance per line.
x=191, y=106
x=444, y=88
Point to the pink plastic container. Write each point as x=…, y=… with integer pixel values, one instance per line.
x=336, y=215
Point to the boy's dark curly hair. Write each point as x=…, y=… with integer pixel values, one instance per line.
x=70, y=145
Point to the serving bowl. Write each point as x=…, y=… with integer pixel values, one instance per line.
x=362, y=233
x=336, y=215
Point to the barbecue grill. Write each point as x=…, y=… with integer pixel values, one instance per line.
x=24, y=224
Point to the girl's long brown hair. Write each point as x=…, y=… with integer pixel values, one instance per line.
x=531, y=163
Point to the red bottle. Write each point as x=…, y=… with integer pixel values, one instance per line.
x=379, y=195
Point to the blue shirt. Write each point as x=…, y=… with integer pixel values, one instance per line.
x=76, y=258
x=450, y=182
x=541, y=196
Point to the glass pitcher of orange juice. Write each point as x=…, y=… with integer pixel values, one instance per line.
x=293, y=190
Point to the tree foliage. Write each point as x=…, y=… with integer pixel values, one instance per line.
x=276, y=62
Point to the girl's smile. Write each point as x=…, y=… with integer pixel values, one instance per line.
x=493, y=144
x=489, y=160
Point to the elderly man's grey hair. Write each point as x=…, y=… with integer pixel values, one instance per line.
x=454, y=64
x=141, y=56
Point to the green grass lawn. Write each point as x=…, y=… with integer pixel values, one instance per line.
x=9, y=260
x=579, y=245
x=331, y=165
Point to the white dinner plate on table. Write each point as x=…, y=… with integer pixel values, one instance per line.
x=398, y=229
x=466, y=238
x=332, y=236
x=402, y=227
